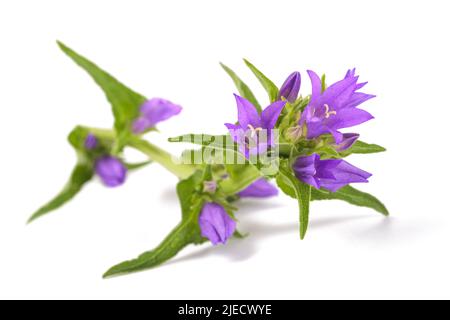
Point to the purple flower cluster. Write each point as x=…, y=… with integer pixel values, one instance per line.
x=327, y=112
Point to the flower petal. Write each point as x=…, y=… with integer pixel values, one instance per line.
x=111, y=171
x=270, y=114
x=316, y=85
x=357, y=98
x=348, y=117
x=247, y=113
x=290, y=88
x=156, y=110
x=338, y=93
x=215, y=223
x=235, y=131
x=261, y=188
x=345, y=173
x=305, y=169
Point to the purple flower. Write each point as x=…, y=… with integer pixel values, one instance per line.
x=111, y=171
x=215, y=223
x=153, y=111
x=90, y=142
x=348, y=140
x=335, y=108
x=290, y=88
x=261, y=188
x=254, y=131
x=331, y=174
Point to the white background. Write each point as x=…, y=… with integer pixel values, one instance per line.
x=171, y=49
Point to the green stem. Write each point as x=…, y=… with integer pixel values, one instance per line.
x=171, y=163
x=155, y=153
x=162, y=157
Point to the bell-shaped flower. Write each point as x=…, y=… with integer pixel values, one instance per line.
x=290, y=88
x=215, y=223
x=335, y=108
x=330, y=174
x=253, y=133
x=152, y=112
x=111, y=171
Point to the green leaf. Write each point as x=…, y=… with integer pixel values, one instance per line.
x=352, y=196
x=125, y=102
x=185, y=191
x=302, y=193
x=206, y=140
x=139, y=165
x=363, y=148
x=243, y=89
x=347, y=193
x=187, y=232
x=269, y=86
x=82, y=173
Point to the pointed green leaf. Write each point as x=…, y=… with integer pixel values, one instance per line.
x=302, y=192
x=347, y=193
x=268, y=85
x=187, y=232
x=125, y=102
x=80, y=175
x=243, y=89
x=185, y=191
x=352, y=196
x=363, y=148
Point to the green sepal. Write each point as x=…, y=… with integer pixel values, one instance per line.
x=323, y=81
x=243, y=89
x=268, y=85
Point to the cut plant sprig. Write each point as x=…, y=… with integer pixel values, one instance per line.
x=296, y=140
